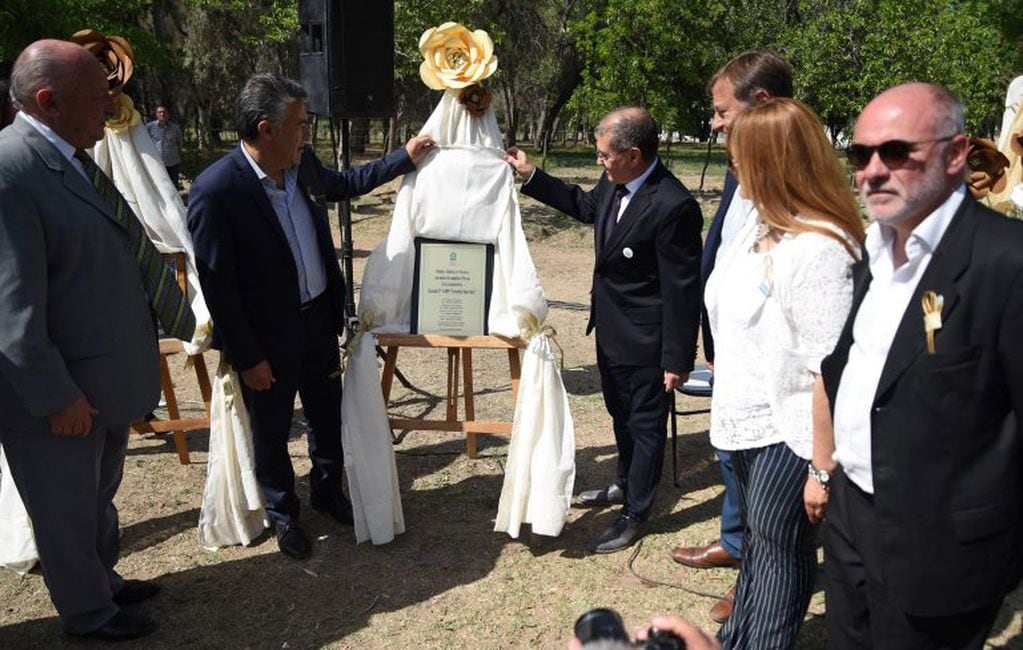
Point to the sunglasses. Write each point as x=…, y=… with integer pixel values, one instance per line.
x=893, y=153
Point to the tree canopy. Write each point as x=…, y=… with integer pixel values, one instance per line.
x=563, y=63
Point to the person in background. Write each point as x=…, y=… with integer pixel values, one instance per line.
x=776, y=302
x=168, y=139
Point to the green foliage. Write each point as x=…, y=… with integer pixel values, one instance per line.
x=846, y=51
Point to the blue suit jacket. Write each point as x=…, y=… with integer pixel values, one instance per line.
x=710, y=251
x=245, y=266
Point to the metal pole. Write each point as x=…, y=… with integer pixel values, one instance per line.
x=345, y=218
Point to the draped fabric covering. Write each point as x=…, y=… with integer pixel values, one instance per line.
x=232, y=502
x=17, y=543
x=464, y=191
x=128, y=156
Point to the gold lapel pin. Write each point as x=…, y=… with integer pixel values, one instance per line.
x=932, y=304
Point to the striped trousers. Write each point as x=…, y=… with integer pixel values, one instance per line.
x=779, y=561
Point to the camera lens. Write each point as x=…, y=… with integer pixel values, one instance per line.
x=600, y=625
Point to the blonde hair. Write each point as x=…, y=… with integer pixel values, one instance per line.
x=787, y=167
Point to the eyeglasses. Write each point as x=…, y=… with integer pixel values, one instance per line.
x=893, y=153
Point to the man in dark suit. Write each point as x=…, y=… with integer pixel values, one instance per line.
x=923, y=474
x=749, y=78
x=271, y=279
x=78, y=349
x=645, y=300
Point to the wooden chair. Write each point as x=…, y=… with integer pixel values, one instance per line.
x=459, y=350
x=169, y=347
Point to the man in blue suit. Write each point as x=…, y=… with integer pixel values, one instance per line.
x=749, y=78
x=275, y=291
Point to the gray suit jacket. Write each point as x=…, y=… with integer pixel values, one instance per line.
x=74, y=317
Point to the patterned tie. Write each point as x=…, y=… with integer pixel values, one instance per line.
x=165, y=296
x=612, y=214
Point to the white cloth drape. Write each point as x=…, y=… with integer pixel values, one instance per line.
x=540, y=472
x=369, y=452
x=232, y=502
x=17, y=543
x=465, y=191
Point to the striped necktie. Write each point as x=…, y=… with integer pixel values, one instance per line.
x=165, y=296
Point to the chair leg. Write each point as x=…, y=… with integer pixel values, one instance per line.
x=470, y=406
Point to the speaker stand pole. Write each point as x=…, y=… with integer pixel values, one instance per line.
x=345, y=214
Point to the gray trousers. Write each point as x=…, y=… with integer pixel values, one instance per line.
x=68, y=486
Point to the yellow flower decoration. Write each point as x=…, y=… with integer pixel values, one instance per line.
x=454, y=57
x=126, y=116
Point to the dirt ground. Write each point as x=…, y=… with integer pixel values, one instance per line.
x=449, y=581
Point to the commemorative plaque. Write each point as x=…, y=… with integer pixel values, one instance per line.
x=452, y=287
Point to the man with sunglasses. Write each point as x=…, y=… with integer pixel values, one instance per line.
x=645, y=301
x=922, y=474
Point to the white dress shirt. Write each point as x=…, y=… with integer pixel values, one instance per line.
x=874, y=329
x=299, y=229
x=65, y=148
x=632, y=187
x=740, y=213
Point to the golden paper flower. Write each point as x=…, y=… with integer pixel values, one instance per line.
x=476, y=99
x=987, y=168
x=113, y=52
x=454, y=57
x=126, y=116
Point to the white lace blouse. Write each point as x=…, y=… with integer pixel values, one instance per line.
x=774, y=317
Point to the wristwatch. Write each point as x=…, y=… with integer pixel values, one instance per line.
x=822, y=475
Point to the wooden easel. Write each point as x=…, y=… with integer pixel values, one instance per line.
x=175, y=423
x=459, y=350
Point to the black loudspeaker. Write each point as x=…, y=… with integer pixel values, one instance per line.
x=347, y=58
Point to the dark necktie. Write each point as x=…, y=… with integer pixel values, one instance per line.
x=165, y=296
x=612, y=213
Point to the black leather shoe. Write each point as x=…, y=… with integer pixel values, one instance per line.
x=292, y=541
x=122, y=627
x=135, y=591
x=625, y=530
x=339, y=507
x=612, y=495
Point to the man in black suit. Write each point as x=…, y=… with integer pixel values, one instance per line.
x=923, y=474
x=749, y=78
x=271, y=279
x=645, y=300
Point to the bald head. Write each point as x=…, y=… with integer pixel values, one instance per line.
x=926, y=122
x=65, y=87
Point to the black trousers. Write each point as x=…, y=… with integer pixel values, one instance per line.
x=859, y=614
x=635, y=399
x=308, y=372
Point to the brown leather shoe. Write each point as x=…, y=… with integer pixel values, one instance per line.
x=711, y=556
x=722, y=609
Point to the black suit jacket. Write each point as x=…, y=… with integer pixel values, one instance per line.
x=710, y=251
x=246, y=268
x=646, y=308
x=945, y=443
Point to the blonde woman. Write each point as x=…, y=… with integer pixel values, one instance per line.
x=777, y=302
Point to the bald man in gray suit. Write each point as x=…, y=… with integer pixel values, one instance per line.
x=78, y=348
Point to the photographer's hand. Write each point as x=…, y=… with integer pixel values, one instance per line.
x=694, y=638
